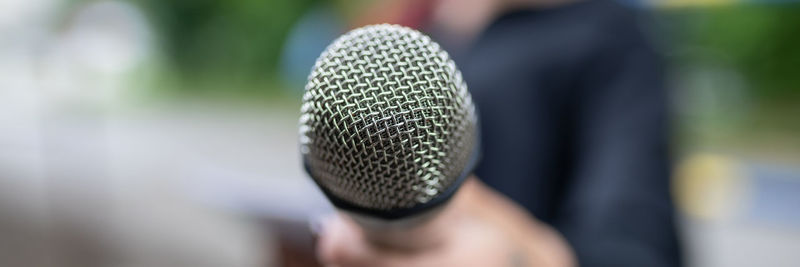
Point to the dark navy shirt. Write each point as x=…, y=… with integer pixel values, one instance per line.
x=574, y=120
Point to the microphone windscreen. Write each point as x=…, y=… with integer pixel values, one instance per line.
x=387, y=122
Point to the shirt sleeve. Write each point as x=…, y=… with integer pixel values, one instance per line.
x=618, y=210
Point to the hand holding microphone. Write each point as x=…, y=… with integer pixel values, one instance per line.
x=389, y=133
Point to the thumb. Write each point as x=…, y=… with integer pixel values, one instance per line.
x=342, y=243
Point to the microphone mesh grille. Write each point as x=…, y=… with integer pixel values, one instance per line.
x=386, y=121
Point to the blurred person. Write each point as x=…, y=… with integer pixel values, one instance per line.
x=573, y=109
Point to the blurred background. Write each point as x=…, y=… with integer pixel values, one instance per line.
x=164, y=132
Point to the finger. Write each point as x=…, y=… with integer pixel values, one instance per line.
x=342, y=243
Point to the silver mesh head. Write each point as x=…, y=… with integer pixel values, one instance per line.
x=387, y=122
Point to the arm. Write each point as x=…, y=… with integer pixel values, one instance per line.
x=617, y=210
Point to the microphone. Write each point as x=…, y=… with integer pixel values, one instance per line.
x=388, y=130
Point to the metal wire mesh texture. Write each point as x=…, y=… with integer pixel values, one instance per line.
x=387, y=121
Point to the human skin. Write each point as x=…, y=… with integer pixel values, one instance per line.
x=478, y=227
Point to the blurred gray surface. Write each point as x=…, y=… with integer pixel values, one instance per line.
x=166, y=187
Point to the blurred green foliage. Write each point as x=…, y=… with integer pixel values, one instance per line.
x=760, y=41
x=233, y=43
x=741, y=62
